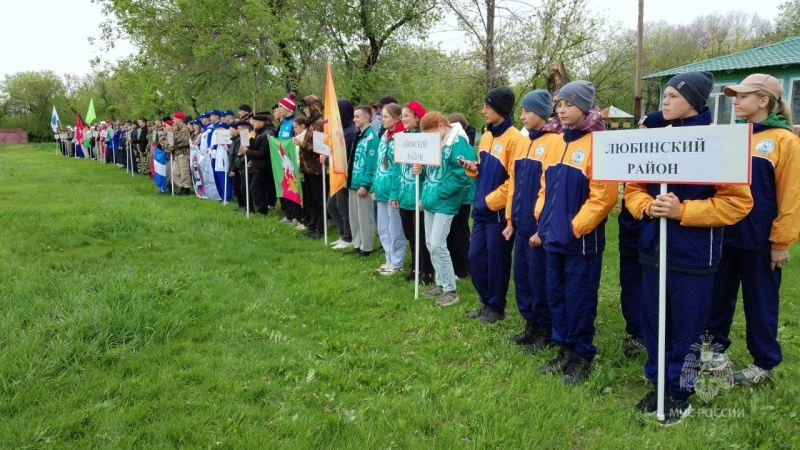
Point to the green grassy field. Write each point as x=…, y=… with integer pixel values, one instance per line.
x=134, y=320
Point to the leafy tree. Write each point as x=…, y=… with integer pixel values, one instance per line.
x=27, y=100
x=788, y=21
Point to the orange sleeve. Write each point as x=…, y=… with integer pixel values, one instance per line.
x=496, y=200
x=637, y=200
x=729, y=205
x=602, y=198
x=786, y=227
x=510, y=193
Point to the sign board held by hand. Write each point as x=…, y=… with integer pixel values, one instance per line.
x=680, y=155
x=418, y=148
x=319, y=144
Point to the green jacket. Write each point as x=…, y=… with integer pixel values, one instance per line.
x=444, y=186
x=384, y=185
x=365, y=160
x=406, y=196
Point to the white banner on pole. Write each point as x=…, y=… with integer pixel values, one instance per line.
x=681, y=155
x=418, y=148
x=319, y=144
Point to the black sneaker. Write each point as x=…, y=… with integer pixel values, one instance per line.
x=363, y=254
x=410, y=276
x=492, y=317
x=478, y=312
x=577, y=371
x=312, y=235
x=675, y=410
x=426, y=278
x=634, y=347
x=543, y=340
x=648, y=403
x=354, y=252
x=527, y=336
x=559, y=363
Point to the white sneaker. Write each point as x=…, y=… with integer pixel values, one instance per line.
x=285, y=220
x=295, y=222
x=343, y=244
x=300, y=226
x=336, y=242
x=389, y=271
x=383, y=267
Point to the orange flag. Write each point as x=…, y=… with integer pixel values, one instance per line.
x=334, y=137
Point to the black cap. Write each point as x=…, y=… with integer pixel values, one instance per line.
x=244, y=107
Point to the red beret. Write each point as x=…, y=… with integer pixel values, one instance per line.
x=179, y=115
x=418, y=109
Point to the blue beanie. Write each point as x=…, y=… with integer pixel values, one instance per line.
x=695, y=87
x=580, y=93
x=538, y=102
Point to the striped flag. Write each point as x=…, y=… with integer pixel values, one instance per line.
x=334, y=136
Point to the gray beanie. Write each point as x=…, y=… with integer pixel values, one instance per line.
x=538, y=102
x=695, y=87
x=580, y=93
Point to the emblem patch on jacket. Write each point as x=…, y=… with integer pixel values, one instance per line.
x=765, y=147
x=539, y=151
x=498, y=148
x=578, y=156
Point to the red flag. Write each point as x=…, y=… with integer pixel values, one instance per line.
x=78, y=129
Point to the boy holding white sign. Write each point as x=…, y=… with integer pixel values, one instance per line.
x=755, y=248
x=572, y=211
x=696, y=215
x=530, y=263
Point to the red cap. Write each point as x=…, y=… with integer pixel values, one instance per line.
x=418, y=109
x=169, y=122
x=179, y=115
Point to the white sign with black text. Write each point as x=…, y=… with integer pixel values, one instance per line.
x=681, y=155
x=418, y=148
x=319, y=144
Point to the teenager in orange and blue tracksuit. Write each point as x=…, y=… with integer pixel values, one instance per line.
x=525, y=177
x=630, y=271
x=489, y=251
x=696, y=215
x=755, y=248
x=572, y=212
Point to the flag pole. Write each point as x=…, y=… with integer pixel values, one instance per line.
x=324, y=207
x=225, y=183
x=662, y=310
x=416, y=237
x=172, y=174
x=246, y=187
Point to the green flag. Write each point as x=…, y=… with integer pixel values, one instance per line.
x=90, y=115
x=285, y=169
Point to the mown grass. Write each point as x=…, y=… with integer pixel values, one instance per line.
x=133, y=320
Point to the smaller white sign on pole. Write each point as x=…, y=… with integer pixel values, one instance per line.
x=223, y=136
x=319, y=144
x=424, y=149
x=418, y=148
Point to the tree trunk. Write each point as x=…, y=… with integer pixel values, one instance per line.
x=491, y=69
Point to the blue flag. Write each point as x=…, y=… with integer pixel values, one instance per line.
x=160, y=169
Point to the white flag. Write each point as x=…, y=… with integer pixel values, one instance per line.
x=54, y=120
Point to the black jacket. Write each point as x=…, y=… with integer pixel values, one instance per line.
x=258, y=154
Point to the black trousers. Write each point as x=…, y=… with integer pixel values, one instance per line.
x=458, y=242
x=238, y=189
x=312, y=197
x=407, y=219
x=259, y=183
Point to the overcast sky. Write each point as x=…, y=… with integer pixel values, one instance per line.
x=56, y=36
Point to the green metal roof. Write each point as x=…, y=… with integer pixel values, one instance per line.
x=780, y=54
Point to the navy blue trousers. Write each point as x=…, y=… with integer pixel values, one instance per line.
x=760, y=297
x=530, y=280
x=689, y=299
x=572, y=285
x=490, y=263
x=630, y=282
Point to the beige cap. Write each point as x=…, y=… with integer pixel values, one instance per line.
x=754, y=83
